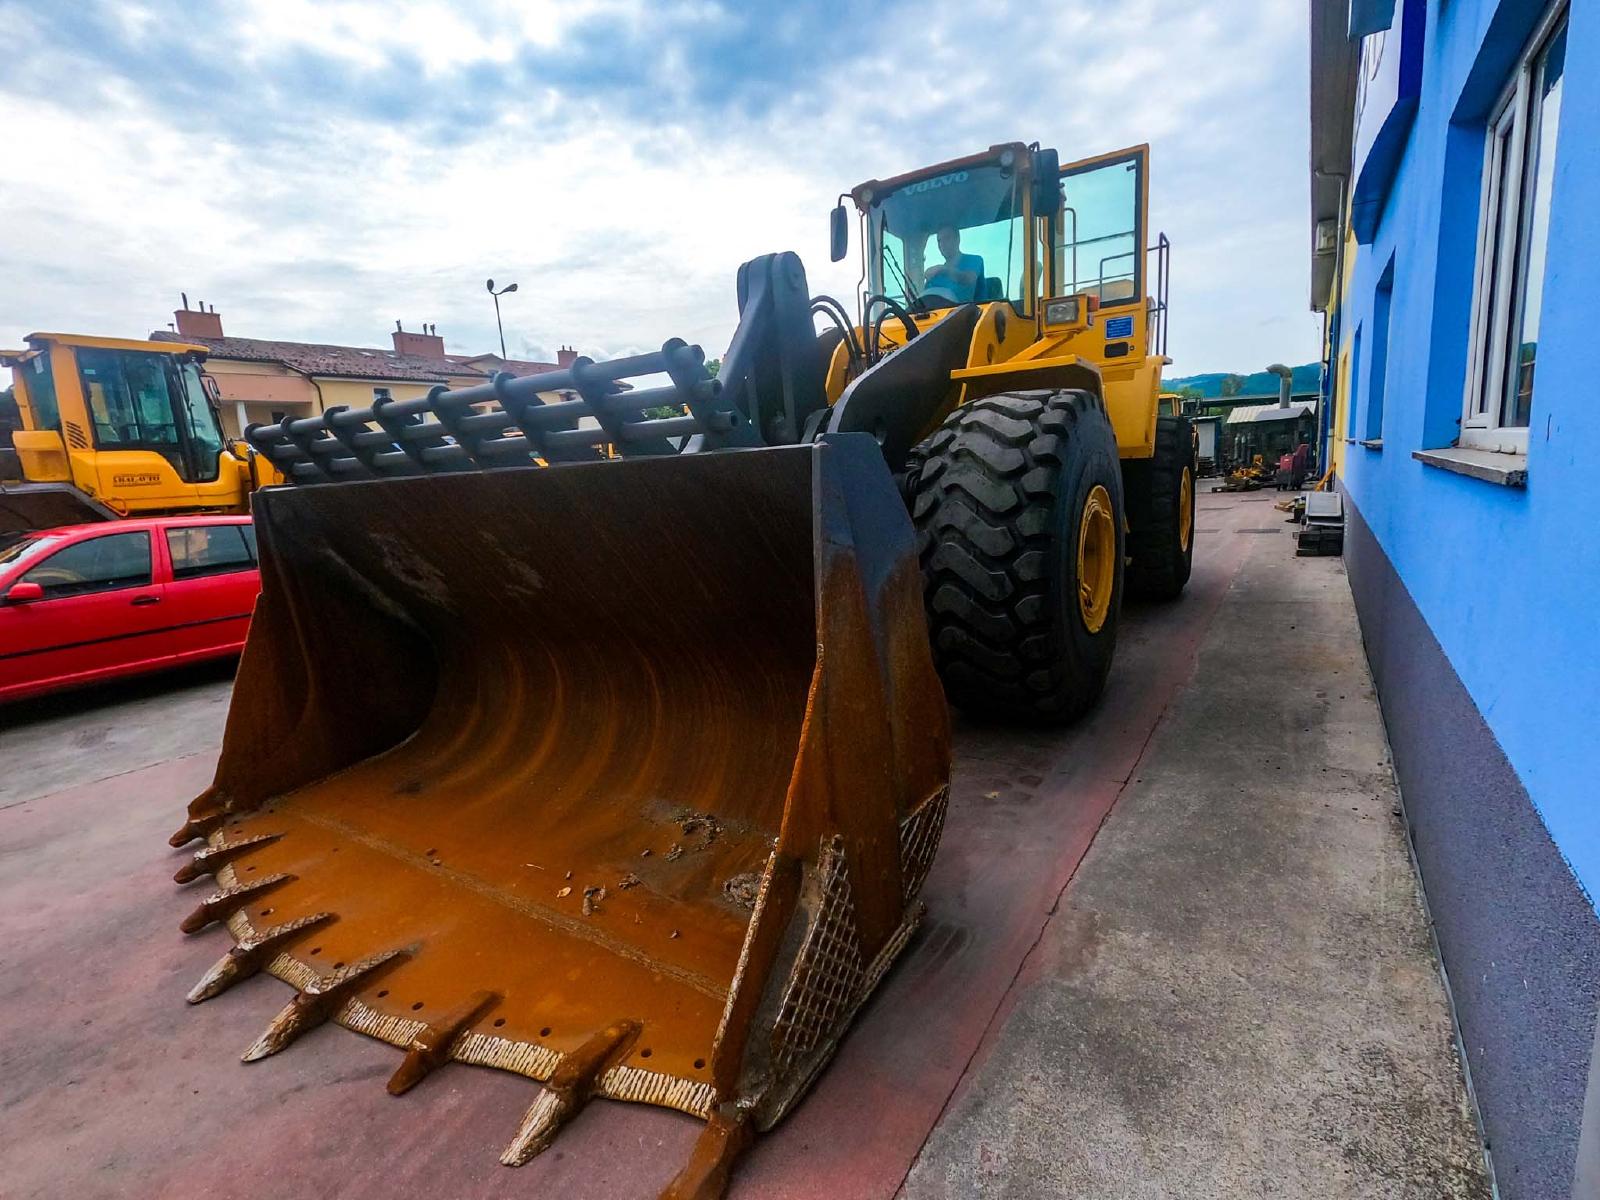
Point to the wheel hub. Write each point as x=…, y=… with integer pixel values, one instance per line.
x=1185, y=509
x=1097, y=562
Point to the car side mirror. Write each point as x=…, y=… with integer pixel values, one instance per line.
x=838, y=233
x=22, y=593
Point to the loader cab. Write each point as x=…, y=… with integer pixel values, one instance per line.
x=127, y=424
x=138, y=400
x=1070, y=279
x=1043, y=232
x=968, y=218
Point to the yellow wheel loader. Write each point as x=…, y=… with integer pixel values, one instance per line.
x=602, y=740
x=109, y=428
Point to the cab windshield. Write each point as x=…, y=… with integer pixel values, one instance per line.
x=145, y=401
x=951, y=239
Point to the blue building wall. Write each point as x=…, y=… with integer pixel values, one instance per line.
x=1503, y=582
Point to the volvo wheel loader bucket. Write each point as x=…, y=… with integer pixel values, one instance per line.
x=623, y=776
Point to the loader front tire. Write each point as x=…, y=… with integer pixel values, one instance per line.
x=1160, y=497
x=1017, y=504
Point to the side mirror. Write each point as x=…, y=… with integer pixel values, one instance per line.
x=838, y=233
x=1046, y=182
x=22, y=593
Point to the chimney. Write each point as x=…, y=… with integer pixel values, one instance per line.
x=418, y=345
x=1285, y=382
x=197, y=323
x=566, y=356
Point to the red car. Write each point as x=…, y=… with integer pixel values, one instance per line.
x=85, y=603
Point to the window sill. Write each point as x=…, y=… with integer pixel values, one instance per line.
x=1372, y=443
x=1508, y=470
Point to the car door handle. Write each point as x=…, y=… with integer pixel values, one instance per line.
x=145, y=600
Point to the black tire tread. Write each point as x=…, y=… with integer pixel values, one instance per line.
x=982, y=494
x=1158, y=564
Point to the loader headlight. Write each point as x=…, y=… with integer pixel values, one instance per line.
x=1062, y=312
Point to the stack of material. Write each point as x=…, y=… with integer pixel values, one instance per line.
x=1323, y=530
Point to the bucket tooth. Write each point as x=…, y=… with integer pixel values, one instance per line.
x=197, y=827
x=222, y=904
x=568, y=1090
x=539, y=1127
x=209, y=859
x=705, y=1176
x=431, y=1047
x=320, y=999
x=250, y=955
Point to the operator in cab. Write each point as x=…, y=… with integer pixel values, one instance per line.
x=957, y=277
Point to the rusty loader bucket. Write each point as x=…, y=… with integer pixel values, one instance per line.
x=620, y=775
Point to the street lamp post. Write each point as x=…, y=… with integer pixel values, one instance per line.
x=510, y=287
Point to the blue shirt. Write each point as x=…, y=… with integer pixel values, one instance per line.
x=946, y=286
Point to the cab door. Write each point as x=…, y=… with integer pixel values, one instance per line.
x=212, y=589
x=100, y=615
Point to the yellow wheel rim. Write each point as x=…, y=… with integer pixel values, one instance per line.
x=1185, y=509
x=1097, y=558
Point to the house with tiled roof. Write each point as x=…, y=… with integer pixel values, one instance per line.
x=260, y=380
x=492, y=363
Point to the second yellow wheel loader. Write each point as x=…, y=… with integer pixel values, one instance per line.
x=112, y=427
x=610, y=749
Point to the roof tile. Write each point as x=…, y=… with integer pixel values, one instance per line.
x=346, y=362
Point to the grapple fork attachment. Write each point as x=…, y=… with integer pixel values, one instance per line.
x=651, y=745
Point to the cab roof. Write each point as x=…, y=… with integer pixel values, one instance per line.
x=91, y=342
x=862, y=193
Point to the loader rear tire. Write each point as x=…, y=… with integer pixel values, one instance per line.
x=1160, y=496
x=1017, y=504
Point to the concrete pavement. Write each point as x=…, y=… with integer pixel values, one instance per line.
x=54, y=743
x=1238, y=994
x=1235, y=994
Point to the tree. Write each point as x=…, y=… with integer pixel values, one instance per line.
x=1190, y=392
x=10, y=416
x=1232, y=385
x=662, y=411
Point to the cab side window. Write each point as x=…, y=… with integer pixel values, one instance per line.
x=101, y=564
x=209, y=550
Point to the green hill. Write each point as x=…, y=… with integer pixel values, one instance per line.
x=1307, y=378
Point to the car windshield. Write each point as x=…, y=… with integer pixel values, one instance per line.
x=953, y=238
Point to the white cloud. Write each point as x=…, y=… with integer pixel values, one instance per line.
x=620, y=191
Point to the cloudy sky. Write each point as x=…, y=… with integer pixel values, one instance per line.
x=316, y=170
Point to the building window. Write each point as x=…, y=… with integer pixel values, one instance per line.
x=1378, y=384
x=1514, y=224
x=1353, y=400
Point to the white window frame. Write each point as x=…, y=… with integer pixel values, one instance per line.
x=1497, y=279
